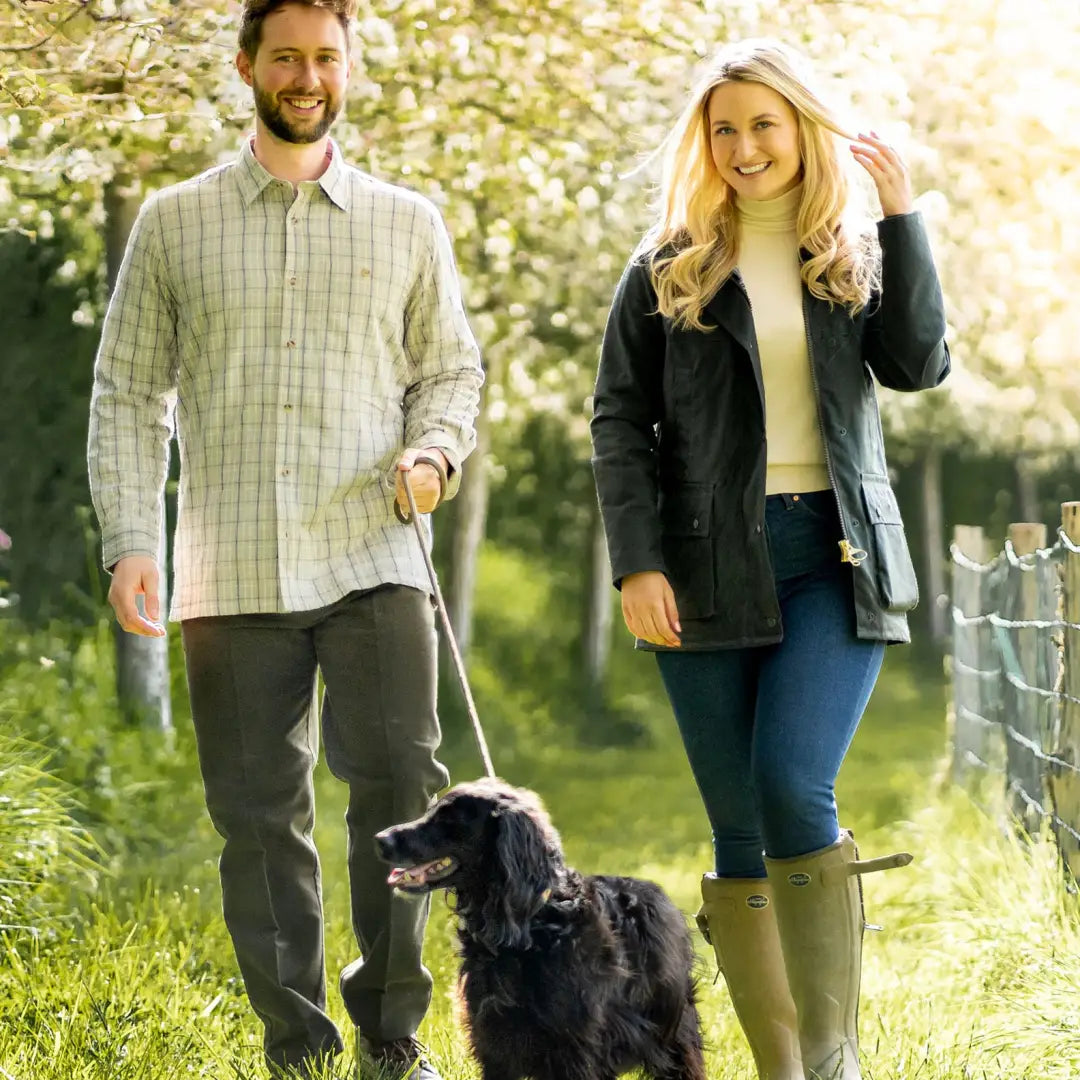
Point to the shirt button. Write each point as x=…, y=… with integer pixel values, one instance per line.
x=284, y=472
x=292, y=281
x=287, y=407
x=365, y=272
x=290, y=344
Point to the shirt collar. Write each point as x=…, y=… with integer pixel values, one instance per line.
x=253, y=178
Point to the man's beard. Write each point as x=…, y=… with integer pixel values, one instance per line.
x=270, y=113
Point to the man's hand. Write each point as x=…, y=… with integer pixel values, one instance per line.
x=131, y=576
x=648, y=606
x=427, y=492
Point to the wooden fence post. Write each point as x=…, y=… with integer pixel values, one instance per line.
x=970, y=735
x=1064, y=783
x=933, y=532
x=1024, y=770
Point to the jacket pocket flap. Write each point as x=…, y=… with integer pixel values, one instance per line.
x=881, y=505
x=686, y=510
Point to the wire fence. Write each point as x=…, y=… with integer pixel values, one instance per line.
x=1016, y=672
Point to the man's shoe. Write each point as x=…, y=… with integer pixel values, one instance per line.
x=396, y=1059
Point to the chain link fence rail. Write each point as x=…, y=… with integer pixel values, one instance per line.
x=1015, y=667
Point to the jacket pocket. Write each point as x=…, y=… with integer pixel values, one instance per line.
x=897, y=585
x=686, y=531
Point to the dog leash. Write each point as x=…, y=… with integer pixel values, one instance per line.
x=459, y=666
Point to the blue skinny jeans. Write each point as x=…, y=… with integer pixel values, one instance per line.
x=766, y=728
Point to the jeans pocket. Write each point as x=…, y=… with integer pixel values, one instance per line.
x=821, y=506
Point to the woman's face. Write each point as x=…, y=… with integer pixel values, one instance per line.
x=754, y=136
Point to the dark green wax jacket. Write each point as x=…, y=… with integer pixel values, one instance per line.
x=679, y=456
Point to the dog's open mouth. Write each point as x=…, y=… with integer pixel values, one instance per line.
x=423, y=877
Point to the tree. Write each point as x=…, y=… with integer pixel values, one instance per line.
x=97, y=93
x=530, y=125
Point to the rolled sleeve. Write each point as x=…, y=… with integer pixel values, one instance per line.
x=442, y=399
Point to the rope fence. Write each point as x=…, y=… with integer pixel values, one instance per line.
x=1015, y=669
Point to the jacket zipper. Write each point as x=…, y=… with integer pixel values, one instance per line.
x=849, y=553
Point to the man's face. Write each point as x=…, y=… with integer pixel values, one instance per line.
x=300, y=72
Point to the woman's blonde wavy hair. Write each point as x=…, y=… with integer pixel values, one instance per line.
x=693, y=247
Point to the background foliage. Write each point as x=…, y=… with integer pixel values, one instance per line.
x=530, y=124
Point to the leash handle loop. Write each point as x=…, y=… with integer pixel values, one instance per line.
x=422, y=459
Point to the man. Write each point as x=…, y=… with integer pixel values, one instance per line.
x=304, y=323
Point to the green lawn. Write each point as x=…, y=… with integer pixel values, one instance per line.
x=976, y=974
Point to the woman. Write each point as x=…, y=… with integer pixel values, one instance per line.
x=751, y=525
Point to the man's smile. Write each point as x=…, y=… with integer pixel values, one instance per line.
x=305, y=105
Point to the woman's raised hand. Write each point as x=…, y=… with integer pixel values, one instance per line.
x=888, y=171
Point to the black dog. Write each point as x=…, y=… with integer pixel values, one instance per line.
x=563, y=976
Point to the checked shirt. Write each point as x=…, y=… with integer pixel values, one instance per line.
x=297, y=340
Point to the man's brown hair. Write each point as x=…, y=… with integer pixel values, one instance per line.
x=255, y=12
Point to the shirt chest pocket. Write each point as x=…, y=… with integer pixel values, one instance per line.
x=341, y=298
x=221, y=312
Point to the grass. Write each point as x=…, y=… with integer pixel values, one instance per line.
x=976, y=975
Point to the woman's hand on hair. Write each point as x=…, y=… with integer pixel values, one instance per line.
x=888, y=171
x=648, y=606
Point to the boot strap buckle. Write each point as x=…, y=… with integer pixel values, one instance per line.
x=867, y=866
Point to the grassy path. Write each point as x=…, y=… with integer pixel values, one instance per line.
x=977, y=974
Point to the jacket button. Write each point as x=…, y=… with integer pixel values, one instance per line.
x=770, y=621
x=693, y=524
x=843, y=431
x=855, y=524
x=757, y=528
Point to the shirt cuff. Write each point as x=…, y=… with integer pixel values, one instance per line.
x=437, y=441
x=120, y=545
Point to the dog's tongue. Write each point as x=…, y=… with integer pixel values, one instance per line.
x=411, y=875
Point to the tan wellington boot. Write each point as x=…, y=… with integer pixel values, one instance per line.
x=819, y=911
x=738, y=920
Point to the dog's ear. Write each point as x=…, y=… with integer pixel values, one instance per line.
x=526, y=868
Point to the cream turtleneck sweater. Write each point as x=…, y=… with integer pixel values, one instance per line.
x=769, y=265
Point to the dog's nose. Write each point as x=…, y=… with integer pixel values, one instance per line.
x=383, y=845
